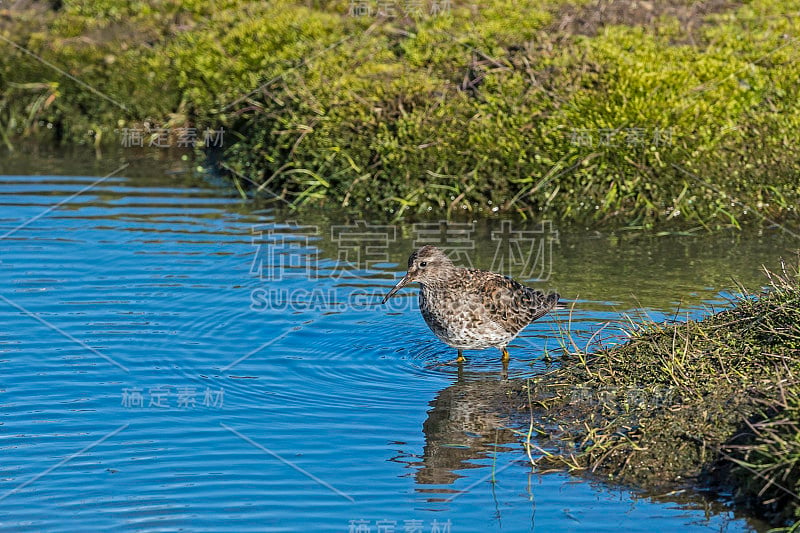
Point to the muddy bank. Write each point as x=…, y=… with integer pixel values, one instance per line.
x=712, y=404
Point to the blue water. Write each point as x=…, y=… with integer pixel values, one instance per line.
x=152, y=380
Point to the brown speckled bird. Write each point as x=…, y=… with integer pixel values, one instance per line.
x=471, y=309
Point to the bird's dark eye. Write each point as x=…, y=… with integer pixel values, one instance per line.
x=423, y=264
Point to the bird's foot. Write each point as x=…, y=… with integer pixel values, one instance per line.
x=505, y=358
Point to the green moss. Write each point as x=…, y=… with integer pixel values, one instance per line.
x=714, y=402
x=484, y=103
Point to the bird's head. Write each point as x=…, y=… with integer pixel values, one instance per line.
x=425, y=265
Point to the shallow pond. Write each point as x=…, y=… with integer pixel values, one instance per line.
x=173, y=357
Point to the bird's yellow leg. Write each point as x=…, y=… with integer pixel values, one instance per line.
x=460, y=358
x=506, y=357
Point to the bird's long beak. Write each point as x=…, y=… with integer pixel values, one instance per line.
x=400, y=284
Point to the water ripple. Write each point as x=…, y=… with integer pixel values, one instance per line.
x=143, y=388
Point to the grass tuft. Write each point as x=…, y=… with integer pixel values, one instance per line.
x=714, y=402
x=568, y=110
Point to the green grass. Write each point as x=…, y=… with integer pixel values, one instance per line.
x=460, y=113
x=714, y=402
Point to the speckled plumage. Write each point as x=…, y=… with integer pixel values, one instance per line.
x=469, y=308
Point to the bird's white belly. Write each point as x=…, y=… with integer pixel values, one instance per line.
x=465, y=326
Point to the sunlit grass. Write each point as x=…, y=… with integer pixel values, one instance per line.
x=458, y=113
x=715, y=401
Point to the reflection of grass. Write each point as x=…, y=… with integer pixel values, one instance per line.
x=715, y=401
x=466, y=112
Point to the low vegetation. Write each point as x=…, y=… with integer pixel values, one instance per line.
x=714, y=403
x=608, y=113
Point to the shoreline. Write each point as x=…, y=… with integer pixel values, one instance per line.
x=581, y=112
x=712, y=404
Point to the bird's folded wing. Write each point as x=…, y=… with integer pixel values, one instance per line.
x=512, y=304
